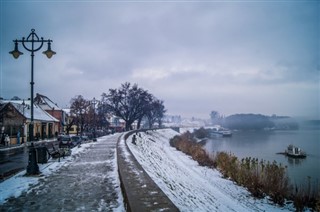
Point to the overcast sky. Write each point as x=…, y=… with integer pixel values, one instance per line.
x=197, y=56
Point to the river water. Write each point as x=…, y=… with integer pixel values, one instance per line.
x=266, y=144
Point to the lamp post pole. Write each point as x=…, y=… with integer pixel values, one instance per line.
x=32, y=39
x=23, y=123
x=94, y=102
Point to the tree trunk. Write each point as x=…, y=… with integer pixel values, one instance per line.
x=159, y=123
x=128, y=125
x=150, y=125
x=139, y=123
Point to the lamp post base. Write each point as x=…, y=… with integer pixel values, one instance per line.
x=32, y=168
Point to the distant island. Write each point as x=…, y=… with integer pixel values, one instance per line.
x=259, y=122
x=244, y=122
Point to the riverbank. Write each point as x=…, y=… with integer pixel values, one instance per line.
x=190, y=186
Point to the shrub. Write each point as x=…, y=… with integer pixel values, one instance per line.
x=307, y=196
x=187, y=144
x=201, y=133
x=260, y=177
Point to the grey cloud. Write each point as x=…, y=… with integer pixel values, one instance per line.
x=185, y=52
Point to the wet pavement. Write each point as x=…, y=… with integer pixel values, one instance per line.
x=89, y=183
x=11, y=163
x=15, y=158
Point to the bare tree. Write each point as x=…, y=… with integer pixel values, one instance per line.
x=69, y=125
x=155, y=112
x=80, y=109
x=128, y=102
x=101, y=116
x=216, y=118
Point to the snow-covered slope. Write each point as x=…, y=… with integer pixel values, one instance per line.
x=189, y=186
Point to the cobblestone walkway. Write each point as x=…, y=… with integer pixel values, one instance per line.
x=89, y=183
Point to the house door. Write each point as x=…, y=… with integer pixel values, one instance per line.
x=44, y=131
x=50, y=130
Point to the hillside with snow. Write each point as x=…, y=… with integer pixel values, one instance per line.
x=189, y=186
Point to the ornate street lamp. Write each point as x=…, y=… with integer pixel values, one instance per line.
x=32, y=39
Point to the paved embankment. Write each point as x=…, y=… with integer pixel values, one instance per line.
x=139, y=190
x=89, y=182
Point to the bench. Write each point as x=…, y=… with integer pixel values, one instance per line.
x=53, y=153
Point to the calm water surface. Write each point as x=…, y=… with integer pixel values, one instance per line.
x=265, y=144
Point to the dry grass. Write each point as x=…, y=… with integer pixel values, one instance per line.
x=261, y=178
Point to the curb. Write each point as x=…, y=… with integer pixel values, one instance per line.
x=140, y=192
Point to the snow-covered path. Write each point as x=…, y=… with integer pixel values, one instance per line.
x=189, y=186
x=87, y=181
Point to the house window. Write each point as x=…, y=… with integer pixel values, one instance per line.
x=12, y=130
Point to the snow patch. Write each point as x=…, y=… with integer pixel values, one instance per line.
x=190, y=186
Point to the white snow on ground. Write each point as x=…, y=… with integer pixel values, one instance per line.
x=190, y=186
x=17, y=184
x=14, y=186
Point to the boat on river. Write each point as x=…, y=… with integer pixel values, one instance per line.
x=218, y=130
x=295, y=152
